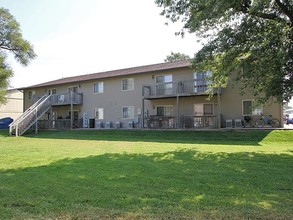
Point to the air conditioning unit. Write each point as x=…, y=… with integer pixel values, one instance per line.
x=229, y=123
x=108, y=124
x=238, y=123
x=130, y=124
x=99, y=124
x=118, y=124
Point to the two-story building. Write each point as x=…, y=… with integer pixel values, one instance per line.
x=165, y=95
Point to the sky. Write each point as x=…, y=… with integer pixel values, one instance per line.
x=76, y=37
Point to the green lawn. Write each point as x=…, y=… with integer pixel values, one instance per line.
x=134, y=174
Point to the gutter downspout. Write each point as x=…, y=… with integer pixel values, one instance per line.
x=177, y=103
x=219, y=107
x=71, y=109
x=142, y=112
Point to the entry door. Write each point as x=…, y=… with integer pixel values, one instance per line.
x=73, y=88
x=164, y=85
x=202, y=113
x=203, y=109
x=201, y=81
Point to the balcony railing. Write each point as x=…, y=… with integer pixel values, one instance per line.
x=182, y=88
x=162, y=122
x=67, y=99
x=185, y=122
x=64, y=99
x=207, y=121
x=59, y=124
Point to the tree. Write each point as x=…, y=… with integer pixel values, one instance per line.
x=176, y=56
x=11, y=41
x=252, y=38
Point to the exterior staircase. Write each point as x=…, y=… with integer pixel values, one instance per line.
x=30, y=116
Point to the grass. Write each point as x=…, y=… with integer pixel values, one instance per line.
x=123, y=174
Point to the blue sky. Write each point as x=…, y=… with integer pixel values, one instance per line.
x=75, y=37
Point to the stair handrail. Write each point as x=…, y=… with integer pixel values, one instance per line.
x=28, y=110
x=31, y=110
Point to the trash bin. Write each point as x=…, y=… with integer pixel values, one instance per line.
x=92, y=122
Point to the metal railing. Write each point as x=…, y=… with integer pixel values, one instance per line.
x=193, y=87
x=66, y=99
x=59, y=124
x=199, y=122
x=30, y=116
x=185, y=122
x=162, y=122
x=40, y=107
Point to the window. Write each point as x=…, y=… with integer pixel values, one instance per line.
x=31, y=94
x=128, y=112
x=203, y=109
x=73, y=88
x=99, y=87
x=250, y=107
x=52, y=91
x=202, y=80
x=99, y=113
x=166, y=110
x=164, y=79
x=164, y=85
x=127, y=84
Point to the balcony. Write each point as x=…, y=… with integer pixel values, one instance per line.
x=63, y=99
x=66, y=99
x=177, y=88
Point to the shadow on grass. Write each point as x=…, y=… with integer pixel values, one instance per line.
x=178, y=184
x=245, y=137
x=4, y=132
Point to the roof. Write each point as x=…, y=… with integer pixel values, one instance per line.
x=113, y=73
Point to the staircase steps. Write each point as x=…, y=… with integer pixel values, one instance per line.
x=30, y=116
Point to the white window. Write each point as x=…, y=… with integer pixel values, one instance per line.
x=165, y=110
x=128, y=112
x=202, y=109
x=99, y=87
x=52, y=91
x=250, y=107
x=31, y=94
x=164, y=79
x=99, y=113
x=73, y=89
x=128, y=84
x=164, y=85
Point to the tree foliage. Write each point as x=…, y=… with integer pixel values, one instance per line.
x=176, y=56
x=252, y=38
x=11, y=41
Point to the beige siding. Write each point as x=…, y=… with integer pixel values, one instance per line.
x=113, y=99
x=231, y=105
x=14, y=106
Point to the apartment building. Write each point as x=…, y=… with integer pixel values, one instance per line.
x=165, y=95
